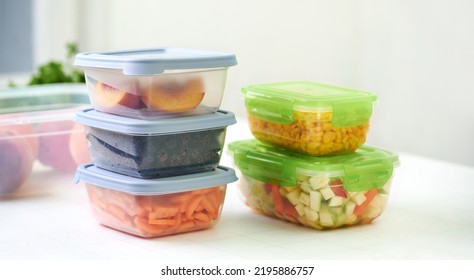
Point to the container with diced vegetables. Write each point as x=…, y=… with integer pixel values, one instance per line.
x=308, y=117
x=38, y=135
x=156, y=207
x=317, y=192
x=156, y=83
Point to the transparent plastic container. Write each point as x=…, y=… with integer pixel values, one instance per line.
x=156, y=83
x=308, y=117
x=152, y=149
x=317, y=192
x=37, y=133
x=157, y=207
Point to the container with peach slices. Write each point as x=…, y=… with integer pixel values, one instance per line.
x=156, y=83
x=156, y=207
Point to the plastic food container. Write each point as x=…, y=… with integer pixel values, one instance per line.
x=317, y=192
x=156, y=83
x=151, y=208
x=36, y=129
x=160, y=148
x=308, y=117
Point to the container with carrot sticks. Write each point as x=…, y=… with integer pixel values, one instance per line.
x=156, y=207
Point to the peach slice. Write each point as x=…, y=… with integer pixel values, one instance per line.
x=25, y=131
x=78, y=145
x=106, y=97
x=174, y=96
x=54, y=145
x=16, y=161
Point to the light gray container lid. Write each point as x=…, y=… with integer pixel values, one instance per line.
x=91, y=174
x=94, y=118
x=154, y=61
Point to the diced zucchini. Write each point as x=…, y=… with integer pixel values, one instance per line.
x=349, y=208
x=358, y=198
x=351, y=219
x=385, y=189
x=305, y=187
x=373, y=212
x=336, y=210
x=340, y=219
x=378, y=201
x=318, y=182
x=315, y=200
x=304, y=198
x=336, y=201
x=352, y=194
x=310, y=214
x=326, y=219
x=282, y=191
x=327, y=193
x=294, y=196
x=301, y=178
x=300, y=209
x=256, y=190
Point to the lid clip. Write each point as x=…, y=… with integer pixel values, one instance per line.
x=270, y=108
x=367, y=175
x=351, y=112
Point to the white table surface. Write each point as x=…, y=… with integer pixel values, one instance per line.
x=430, y=215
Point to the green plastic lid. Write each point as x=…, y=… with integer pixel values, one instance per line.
x=367, y=168
x=276, y=102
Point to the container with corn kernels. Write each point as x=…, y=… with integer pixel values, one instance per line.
x=317, y=192
x=308, y=117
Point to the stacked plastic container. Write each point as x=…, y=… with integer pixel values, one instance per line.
x=155, y=136
x=308, y=165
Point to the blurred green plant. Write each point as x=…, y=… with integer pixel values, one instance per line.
x=59, y=72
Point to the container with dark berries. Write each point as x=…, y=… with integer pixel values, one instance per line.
x=159, y=148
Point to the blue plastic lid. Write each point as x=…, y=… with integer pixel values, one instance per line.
x=91, y=174
x=93, y=118
x=154, y=61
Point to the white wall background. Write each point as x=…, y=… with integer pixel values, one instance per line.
x=417, y=56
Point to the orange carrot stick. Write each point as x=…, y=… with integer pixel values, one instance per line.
x=199, y=208
x=180, y=198
x=277, y=199
x=162, y=212
x=201, y=217
x=369, y=196
x=207, y=205
x=118, y=212
x=193, y=205
x=97, y=201
x=176, y=225
x=144, y=206
x=202, y=224
x=185, y=226
x=289, y=211
x=213, y=198
x=162, y=222
x=143, y=225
